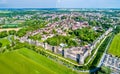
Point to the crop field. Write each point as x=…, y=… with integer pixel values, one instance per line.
x=25, y=61
x=115, y=46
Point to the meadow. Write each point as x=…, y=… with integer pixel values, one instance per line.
x=4, y=41
x=25, y=61
x=10, y=26
x=115, y=46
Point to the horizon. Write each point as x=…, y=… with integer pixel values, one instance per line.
x=59, y=8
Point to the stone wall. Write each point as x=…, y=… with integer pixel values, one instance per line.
x=65, y=52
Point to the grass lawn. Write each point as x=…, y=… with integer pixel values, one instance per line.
x=115, y=46
x=25, y=61
x=10, y=26
x=4, y=41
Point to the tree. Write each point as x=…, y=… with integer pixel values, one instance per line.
x=21, y=32
x=56, y=19
x=104, y=70
x=54, y=31
x=86, y=34
x=56, y=40
x=106, y=26
x=8, y=46
x=36, y=37
x=12, y=32
x=117, y=30
x=79, y=18
x=63, y=17
x=3, y=34
x=0, y=44
x=93, y=23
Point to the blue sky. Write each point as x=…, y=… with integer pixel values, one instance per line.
x=59, y=3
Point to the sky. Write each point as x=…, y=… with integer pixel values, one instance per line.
x=59, y=3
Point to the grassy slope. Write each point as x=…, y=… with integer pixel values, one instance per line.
x=115, y=46
x=4, y=41
x=26, y=61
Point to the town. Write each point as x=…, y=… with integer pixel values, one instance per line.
x=82, y=40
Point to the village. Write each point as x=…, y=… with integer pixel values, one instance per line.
x=78, y=53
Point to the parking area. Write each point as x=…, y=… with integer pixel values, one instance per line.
x=112, y=62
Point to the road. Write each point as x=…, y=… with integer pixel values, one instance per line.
x=8, y=29
x=103, y=56
x=101, y=61
x=96, y=50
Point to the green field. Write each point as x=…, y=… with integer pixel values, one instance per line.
x=25, y=61
x=115, y=46
x=10, y=26
x=4, y=41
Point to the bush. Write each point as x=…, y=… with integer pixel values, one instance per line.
x=3, y=34
x=12, y=32
x=36, y=37
x=117, y=30
x=85, y=34
x=56, y=40
x=21, y=32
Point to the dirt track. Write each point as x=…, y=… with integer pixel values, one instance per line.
x=8, y=29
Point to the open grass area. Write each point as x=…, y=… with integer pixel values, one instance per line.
x=115, y=46
x=25, y=61
x=10, y=26
x=4, y=41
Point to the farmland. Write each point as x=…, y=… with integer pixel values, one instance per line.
x=115, y=46
x=24, y=61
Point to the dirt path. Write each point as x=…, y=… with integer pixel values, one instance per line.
x=8, y=29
